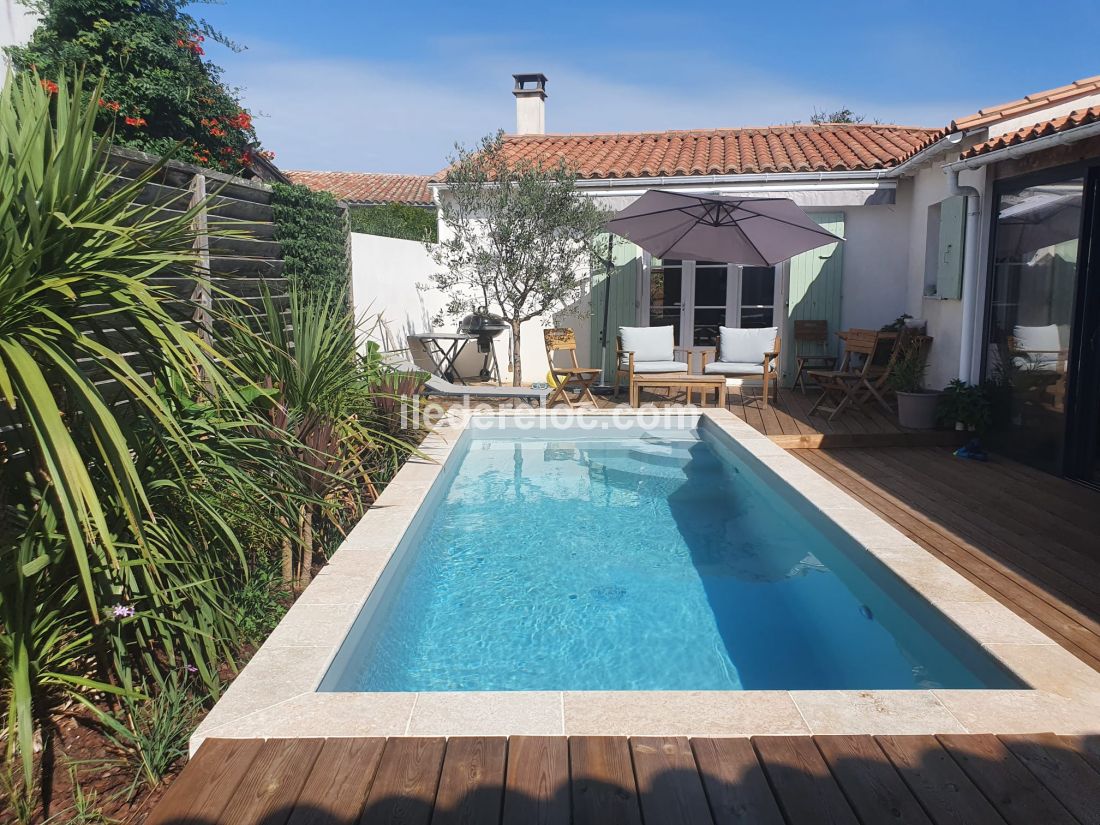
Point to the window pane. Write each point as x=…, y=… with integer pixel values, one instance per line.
x=665, y=283
x=756, y=317
x=1034, y=279
x=707, y=321
x=710, y=284
x=758, y=286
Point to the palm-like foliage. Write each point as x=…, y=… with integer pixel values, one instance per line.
x=321, y=392
x=91, y=442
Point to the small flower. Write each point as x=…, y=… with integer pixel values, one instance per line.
x=217, y=131
x=122, y=611
x=49, y=86
x=190, y=669
x=135, y=121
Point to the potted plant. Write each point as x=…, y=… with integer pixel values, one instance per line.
x=965, y=406
x=916, y=405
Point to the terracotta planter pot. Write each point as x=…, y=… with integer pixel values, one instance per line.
x=917, y=410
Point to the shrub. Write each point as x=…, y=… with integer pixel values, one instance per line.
x=153, y=732
x=313, y=231
x=395, y=220
x=157, y=87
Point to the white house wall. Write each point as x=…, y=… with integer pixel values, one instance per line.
x=927, y=187
x=875, y=265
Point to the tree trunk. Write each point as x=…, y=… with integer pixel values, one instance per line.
x=288, y=555
x=305, y=571
x=517, y=371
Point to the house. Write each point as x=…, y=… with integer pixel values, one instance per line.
x=365, y=189
x=982, y=228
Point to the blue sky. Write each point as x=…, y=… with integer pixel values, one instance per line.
x=390, y=87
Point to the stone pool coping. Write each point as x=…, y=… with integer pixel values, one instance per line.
x=275, y=694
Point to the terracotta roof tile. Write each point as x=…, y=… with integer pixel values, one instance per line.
x=368, y=187
x=1082, y=117
x=1038, y=100
x=832, y=147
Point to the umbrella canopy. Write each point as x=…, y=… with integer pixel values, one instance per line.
x=748, y=231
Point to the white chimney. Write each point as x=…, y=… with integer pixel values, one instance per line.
x=530, y=92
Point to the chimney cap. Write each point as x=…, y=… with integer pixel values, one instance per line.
x=523, y=90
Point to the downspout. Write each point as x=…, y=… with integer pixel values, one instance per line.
x=970, y=271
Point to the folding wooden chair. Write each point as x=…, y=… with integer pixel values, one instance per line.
x=569, y=377
x=857, y=383
x=812, y=335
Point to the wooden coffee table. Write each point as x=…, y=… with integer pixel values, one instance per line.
x=688, y=383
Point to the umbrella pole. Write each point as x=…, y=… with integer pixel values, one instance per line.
x=606, y=309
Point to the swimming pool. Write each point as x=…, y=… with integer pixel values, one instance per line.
x=661, y=558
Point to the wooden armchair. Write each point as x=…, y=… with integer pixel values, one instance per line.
x=747, y=352
x=647, y=351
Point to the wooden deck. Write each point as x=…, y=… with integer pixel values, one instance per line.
x=1030, y=540
x=789, y=424
x=770, y=780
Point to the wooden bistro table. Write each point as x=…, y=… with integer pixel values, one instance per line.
x=688, y=383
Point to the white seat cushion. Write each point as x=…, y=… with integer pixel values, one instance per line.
x=735, y=368
x=648, y=343
x=742, y=346
x=660, y=366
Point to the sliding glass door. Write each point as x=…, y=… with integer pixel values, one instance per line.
x=1043, y=321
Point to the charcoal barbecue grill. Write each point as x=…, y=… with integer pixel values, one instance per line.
x=486, y=327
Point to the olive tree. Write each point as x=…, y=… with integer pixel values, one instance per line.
x=517, y=237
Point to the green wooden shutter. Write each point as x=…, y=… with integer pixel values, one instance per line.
x=816, y=278
x=622, y=310
x=949, y=263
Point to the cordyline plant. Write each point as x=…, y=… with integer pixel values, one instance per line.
x=114, y=554
x=517, y=237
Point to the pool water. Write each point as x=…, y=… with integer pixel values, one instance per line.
x=664, y=560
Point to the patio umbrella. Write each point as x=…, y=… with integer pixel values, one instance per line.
x=746, y=231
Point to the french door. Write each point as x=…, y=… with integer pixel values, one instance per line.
x=697, y=297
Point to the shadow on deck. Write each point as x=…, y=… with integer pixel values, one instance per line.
x=768, y=780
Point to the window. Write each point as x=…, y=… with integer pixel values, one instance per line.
x=757, y=296
x=943, y=251
x=666, y=289
x=698, y=297
x=711, y=289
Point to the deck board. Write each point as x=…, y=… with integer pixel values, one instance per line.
x=604, y=791
x=537, y=781
x=669, y=788
x=405, y=786
x=961, y=779
x=471, y=786
x=874, y=789
x=336, y=788
x=802, y=782
x=938, y=782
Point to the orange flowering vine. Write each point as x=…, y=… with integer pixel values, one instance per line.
x=135, y=121
x=49, y=86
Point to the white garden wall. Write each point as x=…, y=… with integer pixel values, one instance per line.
x=385, y=273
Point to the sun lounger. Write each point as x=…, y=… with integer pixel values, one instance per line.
x=443, y=388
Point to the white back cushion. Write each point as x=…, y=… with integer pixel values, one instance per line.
x=745, y=345
x=1042, y=343
x=648, y=343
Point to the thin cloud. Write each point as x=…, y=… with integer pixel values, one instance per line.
x=373, y=116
